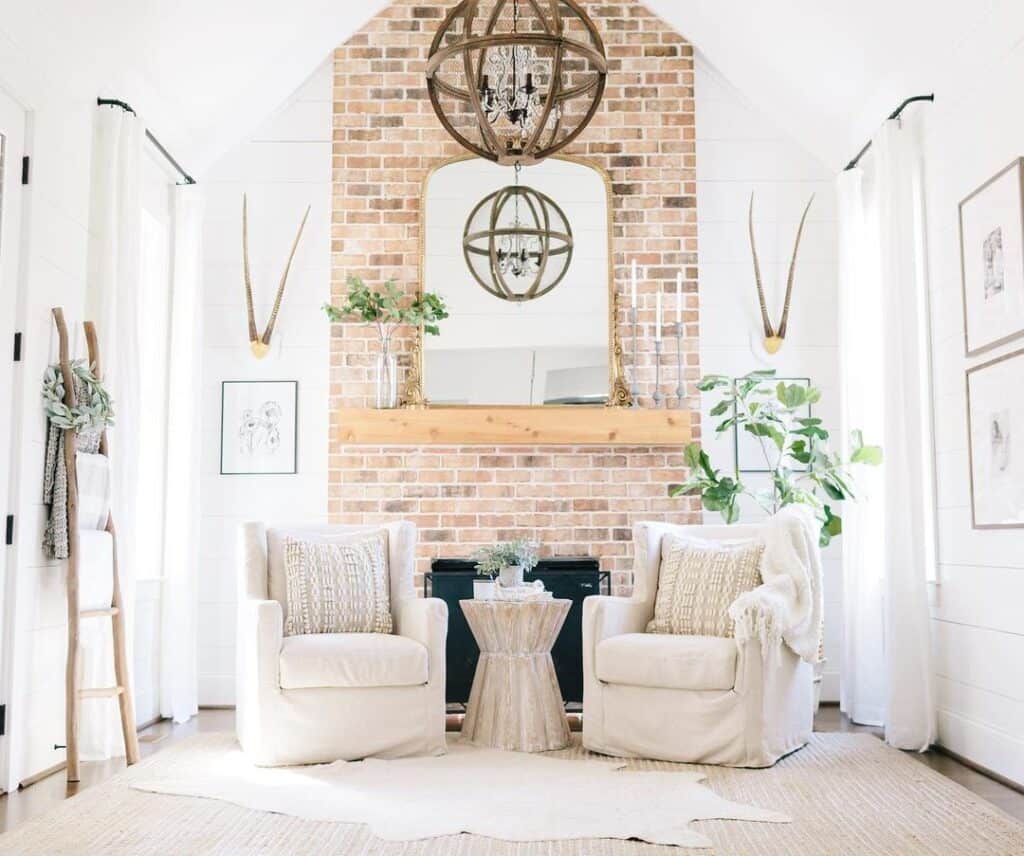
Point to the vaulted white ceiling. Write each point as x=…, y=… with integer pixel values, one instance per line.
x=206, y=72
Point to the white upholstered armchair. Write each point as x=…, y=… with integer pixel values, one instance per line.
x=692, y=699
x=319, y=698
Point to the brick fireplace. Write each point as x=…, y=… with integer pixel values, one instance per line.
x=576, y=500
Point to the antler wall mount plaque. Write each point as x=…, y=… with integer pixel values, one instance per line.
x=775, y=336
x=260, y=343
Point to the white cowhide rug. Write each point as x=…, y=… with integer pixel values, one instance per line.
x=509, y=796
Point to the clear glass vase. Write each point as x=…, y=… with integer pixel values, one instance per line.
x=386, y=381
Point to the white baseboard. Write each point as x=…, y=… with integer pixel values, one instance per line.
x=830, y=685
x=216, y=690
x=977, y=743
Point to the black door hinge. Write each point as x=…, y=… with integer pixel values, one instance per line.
x=9, y=537
x=24, y=169
x=17, y=347
x=3, y=719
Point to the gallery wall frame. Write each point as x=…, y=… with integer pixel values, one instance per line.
x=991, y=224
x=259, y=427
x=994, y=407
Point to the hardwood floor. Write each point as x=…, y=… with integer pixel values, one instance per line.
x=39, y=798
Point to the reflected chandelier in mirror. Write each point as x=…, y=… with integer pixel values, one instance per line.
x=518, y=243
x=561, y=347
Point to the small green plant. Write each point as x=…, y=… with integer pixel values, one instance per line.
x=94, y=409
x=491, y=560
x=389, y=309
x=776, y=417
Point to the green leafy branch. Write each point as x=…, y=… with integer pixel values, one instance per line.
x=388, y=309
x=801, y=466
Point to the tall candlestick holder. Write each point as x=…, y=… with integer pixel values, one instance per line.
x=658, y=397
x=634, y=386
x=681, y=387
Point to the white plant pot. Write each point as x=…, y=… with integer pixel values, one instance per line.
x=511, y=576
x=484, y=589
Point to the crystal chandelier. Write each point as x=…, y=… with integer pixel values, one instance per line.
x=514, y=81
x=518, y=243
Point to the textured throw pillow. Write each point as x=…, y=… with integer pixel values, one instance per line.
x=337, y=587
x=698, y=582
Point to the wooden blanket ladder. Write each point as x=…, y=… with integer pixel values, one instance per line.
x=75, y=693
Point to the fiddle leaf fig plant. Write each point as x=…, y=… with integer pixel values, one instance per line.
x=389, y=309
x=801, y=466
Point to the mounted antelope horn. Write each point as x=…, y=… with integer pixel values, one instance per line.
x=769, y=331
x=261, y=344
x=773, y=338
x=792, y=272
x=284, y=279
x=253, y=335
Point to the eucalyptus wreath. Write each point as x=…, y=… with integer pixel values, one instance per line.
x=94, y=410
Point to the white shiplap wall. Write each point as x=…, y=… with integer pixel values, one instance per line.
x=54, y=258
x=739, y=151
x=54, y=261
x=977, y=617
x=284, y=167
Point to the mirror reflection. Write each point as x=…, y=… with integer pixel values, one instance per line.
x=526, y=278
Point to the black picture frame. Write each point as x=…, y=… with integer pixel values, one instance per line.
x=774, y=381
x=294, y=424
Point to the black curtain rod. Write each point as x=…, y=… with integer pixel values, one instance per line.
x=113, y=102
x=895, y=114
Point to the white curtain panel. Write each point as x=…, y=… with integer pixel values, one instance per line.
x=111, y=302
x=863, y=679
x=178, y=663
x=889, y=541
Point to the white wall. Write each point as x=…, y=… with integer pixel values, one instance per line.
x=739, y=151
x=977, y=619
x=283, y=168
x=60, y=103
x=54, y=266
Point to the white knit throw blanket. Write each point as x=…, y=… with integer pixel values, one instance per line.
x=787, y=607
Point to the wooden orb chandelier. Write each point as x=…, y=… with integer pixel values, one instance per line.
x=518, y=244
x=515, y=81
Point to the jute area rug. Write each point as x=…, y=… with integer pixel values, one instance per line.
x=844, y=794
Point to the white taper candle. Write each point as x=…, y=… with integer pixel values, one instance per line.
x=657, y=321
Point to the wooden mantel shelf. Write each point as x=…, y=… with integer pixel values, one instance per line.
x=490, y=426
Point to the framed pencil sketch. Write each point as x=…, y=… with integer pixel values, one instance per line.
x=992, y=260
x=259, y=427
x=748, y=449
x=995, y=426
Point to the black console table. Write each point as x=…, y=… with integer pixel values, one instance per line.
x=451, y=580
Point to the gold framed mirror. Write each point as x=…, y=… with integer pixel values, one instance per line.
x=560, y=349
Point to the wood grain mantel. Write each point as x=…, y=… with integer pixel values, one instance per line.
x=493, y=426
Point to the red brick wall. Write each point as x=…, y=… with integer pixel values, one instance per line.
x=576, y=500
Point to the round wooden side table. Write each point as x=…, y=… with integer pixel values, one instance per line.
x=515, y=702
